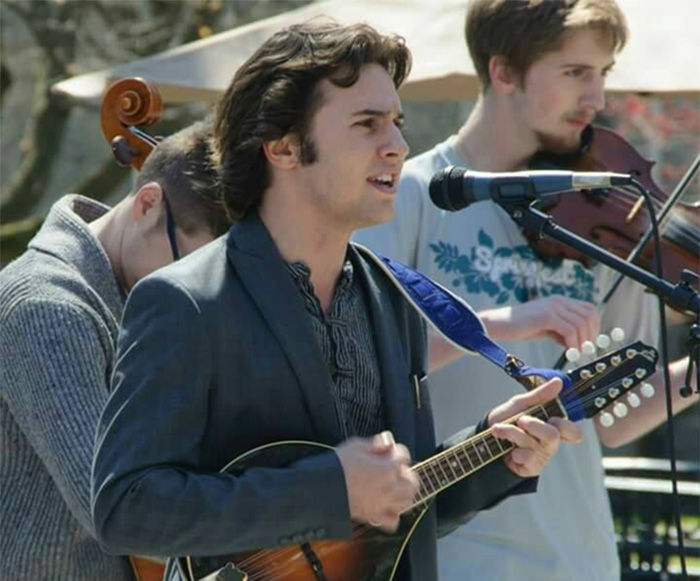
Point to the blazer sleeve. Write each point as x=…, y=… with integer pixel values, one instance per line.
x=482, y=490
x=150, y=493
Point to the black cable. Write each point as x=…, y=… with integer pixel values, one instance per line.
x=667, y=378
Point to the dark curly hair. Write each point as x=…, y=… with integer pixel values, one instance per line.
x=275, y=94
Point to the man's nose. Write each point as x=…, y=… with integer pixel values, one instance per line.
x=395, y=145
x=594, y=97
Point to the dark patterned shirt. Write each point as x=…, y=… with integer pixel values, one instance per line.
x=345, y=338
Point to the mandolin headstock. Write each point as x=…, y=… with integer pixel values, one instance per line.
x=605, y=380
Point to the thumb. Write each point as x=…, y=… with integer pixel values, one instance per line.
x=381, y=443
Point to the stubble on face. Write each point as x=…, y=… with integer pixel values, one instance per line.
x=557, y=144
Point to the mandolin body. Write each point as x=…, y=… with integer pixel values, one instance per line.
x=371, y=555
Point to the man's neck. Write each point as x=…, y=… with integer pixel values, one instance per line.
x=109, y=231
x=302, y=235
x=491, y=140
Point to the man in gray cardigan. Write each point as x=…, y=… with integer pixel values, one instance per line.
x=60, y=306
x=282, y=330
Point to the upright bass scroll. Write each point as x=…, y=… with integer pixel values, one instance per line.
x=127, y=104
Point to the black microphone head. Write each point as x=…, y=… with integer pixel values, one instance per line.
x=446, y=189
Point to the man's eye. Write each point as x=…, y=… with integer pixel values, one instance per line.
x=574, y=73
x=369, y=123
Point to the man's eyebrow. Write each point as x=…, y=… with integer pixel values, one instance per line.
x=377, y=113
x=574, y=65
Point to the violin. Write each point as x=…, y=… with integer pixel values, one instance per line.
x=614, y=218
x=126, y=104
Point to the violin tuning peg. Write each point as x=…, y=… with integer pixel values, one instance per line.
x=588, y=348
x=633, y=400
x=606, y=419
x=620, y=410
x=572, y=355
x=647, y=390
x=617, y=335
x=602, y=341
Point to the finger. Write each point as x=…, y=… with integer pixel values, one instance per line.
x=573, y=325
x=525, y=470
x=540, y=395
x=517, y=468
x=524, y=457
x=582, y=315
x=401, y=455
x=563, y=332
x=539, y=430
x=515, y=435
x=402, y=500
x=387, y=520
x=546, y=435
x=410, y=477
x=569, y=432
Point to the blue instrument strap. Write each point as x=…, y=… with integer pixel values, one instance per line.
x=457, y=322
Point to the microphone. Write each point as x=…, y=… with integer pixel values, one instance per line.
x=454, y=188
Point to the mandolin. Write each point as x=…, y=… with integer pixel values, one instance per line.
x=373, y=555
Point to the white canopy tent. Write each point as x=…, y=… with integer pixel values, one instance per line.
x=661, y=56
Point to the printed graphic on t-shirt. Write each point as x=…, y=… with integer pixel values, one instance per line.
x=507, y=272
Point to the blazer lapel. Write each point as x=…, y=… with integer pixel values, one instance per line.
x=257, y=262
x=394, y=369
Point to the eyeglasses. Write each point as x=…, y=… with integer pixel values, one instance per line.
x=170, y=226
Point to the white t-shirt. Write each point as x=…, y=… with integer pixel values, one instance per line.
x=564, y=532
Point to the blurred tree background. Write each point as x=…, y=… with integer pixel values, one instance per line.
x=50, y=145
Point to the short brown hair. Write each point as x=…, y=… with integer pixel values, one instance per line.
x=274, y=93
x=521, y=31
x=182, y=165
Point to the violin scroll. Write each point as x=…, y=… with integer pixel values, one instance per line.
x=126, y=104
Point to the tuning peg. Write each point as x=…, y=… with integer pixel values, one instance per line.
x=588, y=348
x=572, y=355
x=620, y=410
x=617, y=335
x=606, y=419
x=633, y=400
x=602, y=341
x=647, y=390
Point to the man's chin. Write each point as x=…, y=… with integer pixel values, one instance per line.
x=559, y=144
x=381, y=216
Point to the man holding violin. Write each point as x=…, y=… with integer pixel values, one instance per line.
x=542, y=66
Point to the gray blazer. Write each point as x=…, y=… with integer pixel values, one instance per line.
x=216, y=357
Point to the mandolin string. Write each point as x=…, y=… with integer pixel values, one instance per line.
x=259, y=558
x=581, y=385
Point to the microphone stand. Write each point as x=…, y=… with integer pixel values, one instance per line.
x=681, y=295
x=536, y=222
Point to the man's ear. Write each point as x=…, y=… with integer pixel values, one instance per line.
x=148, y=197
x=283, y=153
x=503, y=79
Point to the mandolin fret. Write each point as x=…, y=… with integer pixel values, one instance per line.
x=461, y=460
